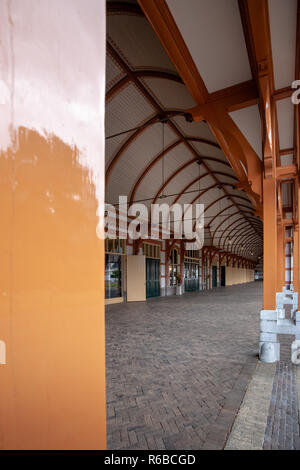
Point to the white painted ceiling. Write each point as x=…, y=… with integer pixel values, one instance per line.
x=135, y=42
x=248, y=121
x=213, y=33
x=283, y=23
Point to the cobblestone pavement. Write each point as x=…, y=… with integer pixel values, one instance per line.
x=178, y=367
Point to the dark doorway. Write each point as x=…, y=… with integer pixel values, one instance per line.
x=152, y=277
x=223, y=276
x=214, y=276
x=191, y=277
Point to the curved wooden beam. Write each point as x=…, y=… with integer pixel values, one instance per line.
x=237, y=229
x=194, y=160
x=223, y=210
x=155, y=104
x=161, y=154
x=241, y=237
x=153, y=120
x=124, y=81
x=198, y=179
x=233, y=142
x=248, y=245
x=244, y=228
x=223, y=221
x=234, y=233
x=223, y=197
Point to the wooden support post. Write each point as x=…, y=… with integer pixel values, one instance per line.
x=296, y=260
x=270, y=243
x=182, y=253
x=280, y=257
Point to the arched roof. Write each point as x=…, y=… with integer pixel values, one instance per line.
x=178, y=159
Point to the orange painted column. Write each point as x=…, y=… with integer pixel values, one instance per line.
x=270, y=243
x=280, y=258
x=52, y=84
x=296, y=259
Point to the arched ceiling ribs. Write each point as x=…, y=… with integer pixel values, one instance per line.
x=208, y=225
x=248, y=246
x=226, y=197
x=237, y=228
x=240, y=240
x=203, y=192
x=223, y=210
x=165, y=152
x=248, y=234
x=238, y=251
x=206, y=141
x=194, y=160
x=126, y=69
x=233, y=142
x=153, y=120
x=243, y=227
x=140, y=74
x=241, y=230
x=181, y=168
x=223, y=221
x=198, y=179
x=255, y=255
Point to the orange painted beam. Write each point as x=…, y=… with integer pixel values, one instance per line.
x=280, y=258
x=51, y=197
x=270, y=243
x=296, y=260
x=233, y=143
x=163, y=23
x=286, y=172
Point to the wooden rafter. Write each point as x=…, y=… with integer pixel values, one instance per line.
x=159, y=157
x=235, y=98
x=258, y=27
x=160, y=111
x=186, y=188
x=239, y=227
x=234, y=232
x=223, y=210
x=230, y=138
x=223, y=221
x=124, y=81
x=243, y=240
x=179, y=170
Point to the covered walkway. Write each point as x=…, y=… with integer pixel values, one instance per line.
x=178, y=367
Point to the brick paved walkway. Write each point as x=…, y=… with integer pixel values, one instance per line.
x=248, y=432
x=282, y=431
x=178, y=367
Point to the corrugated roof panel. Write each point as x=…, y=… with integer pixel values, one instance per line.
x=171, y=95
x=126, y=31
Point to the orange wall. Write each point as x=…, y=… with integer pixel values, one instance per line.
x=52, y=81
